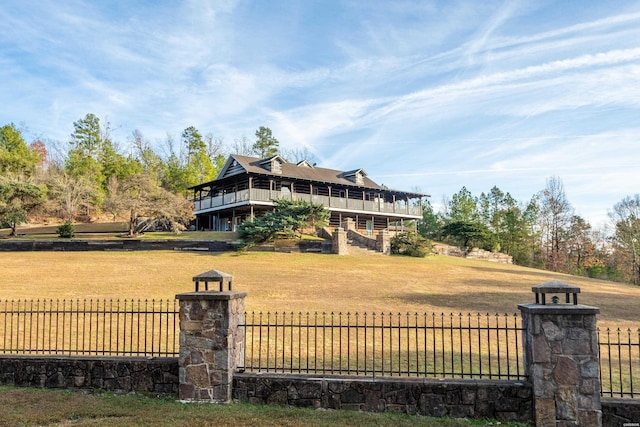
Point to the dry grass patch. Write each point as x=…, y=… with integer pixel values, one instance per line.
x=306, y=282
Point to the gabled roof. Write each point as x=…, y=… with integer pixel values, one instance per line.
x=237, y=164
x=301, y=170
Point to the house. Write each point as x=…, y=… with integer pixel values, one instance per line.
x=246, y=186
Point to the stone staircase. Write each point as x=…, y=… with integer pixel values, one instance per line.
x=357, y=248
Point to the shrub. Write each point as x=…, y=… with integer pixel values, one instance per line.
x=65, y=230
x=285, y=221
x=410, y=244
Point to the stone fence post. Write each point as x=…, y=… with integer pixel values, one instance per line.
x=211, y=341
x=561, y=358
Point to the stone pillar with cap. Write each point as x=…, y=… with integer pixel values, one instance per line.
x=211, y=339
x=561, y=357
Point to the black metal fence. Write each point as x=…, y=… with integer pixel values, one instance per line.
x=423, y=345
x=386, y=344
x=89, y=327
x=619, y=362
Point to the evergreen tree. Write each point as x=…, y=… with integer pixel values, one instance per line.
x=266, y=145
x=15, y=155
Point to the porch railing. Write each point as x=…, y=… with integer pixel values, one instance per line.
x=265, y=196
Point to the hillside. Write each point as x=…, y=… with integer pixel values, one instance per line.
x=307, y=282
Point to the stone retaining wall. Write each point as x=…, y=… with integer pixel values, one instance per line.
x=506, y=400
x=503, y=400
x=113, y=245
x=294, y=246
x=474, y=253
x=158, y=376
x=620, y=412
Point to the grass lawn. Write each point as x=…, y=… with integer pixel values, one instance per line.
x=306, y=282
x=275, y=282
x=64, y=408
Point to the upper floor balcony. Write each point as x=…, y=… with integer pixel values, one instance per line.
x=263, y=197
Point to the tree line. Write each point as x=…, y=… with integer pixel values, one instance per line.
x=544, y=232
x=91, y=174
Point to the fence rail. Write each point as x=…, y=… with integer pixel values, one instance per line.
x=386, y=344
x=619, y=362
x=90, y=327
x=411, y=344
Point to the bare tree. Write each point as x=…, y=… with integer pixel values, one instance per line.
x=148, y=203
x=71, y=194
x=297, y=155
x=242, y=146
x=626, y=221
x=114, y=203
x=214, y=145
x=554, y=220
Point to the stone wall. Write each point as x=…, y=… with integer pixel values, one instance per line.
x=475, y=253
x=113, y=245
x=503, y=400
x=620, y=412
x=158, y=376
x=294, y=246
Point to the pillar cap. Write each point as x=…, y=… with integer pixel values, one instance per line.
x=556, y=287
x=215, y=276
x=212, y=276
x=558, y=309
x=212, y=295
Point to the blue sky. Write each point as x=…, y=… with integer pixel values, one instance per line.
x=423, y=95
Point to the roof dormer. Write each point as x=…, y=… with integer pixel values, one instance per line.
x=356, y=176
x=273, y=164
x=305, y=164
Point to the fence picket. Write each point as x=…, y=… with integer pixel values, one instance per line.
x=367, y=344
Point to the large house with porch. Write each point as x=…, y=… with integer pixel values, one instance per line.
x=246, y=187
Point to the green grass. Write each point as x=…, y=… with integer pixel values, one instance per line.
x=37, y=407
